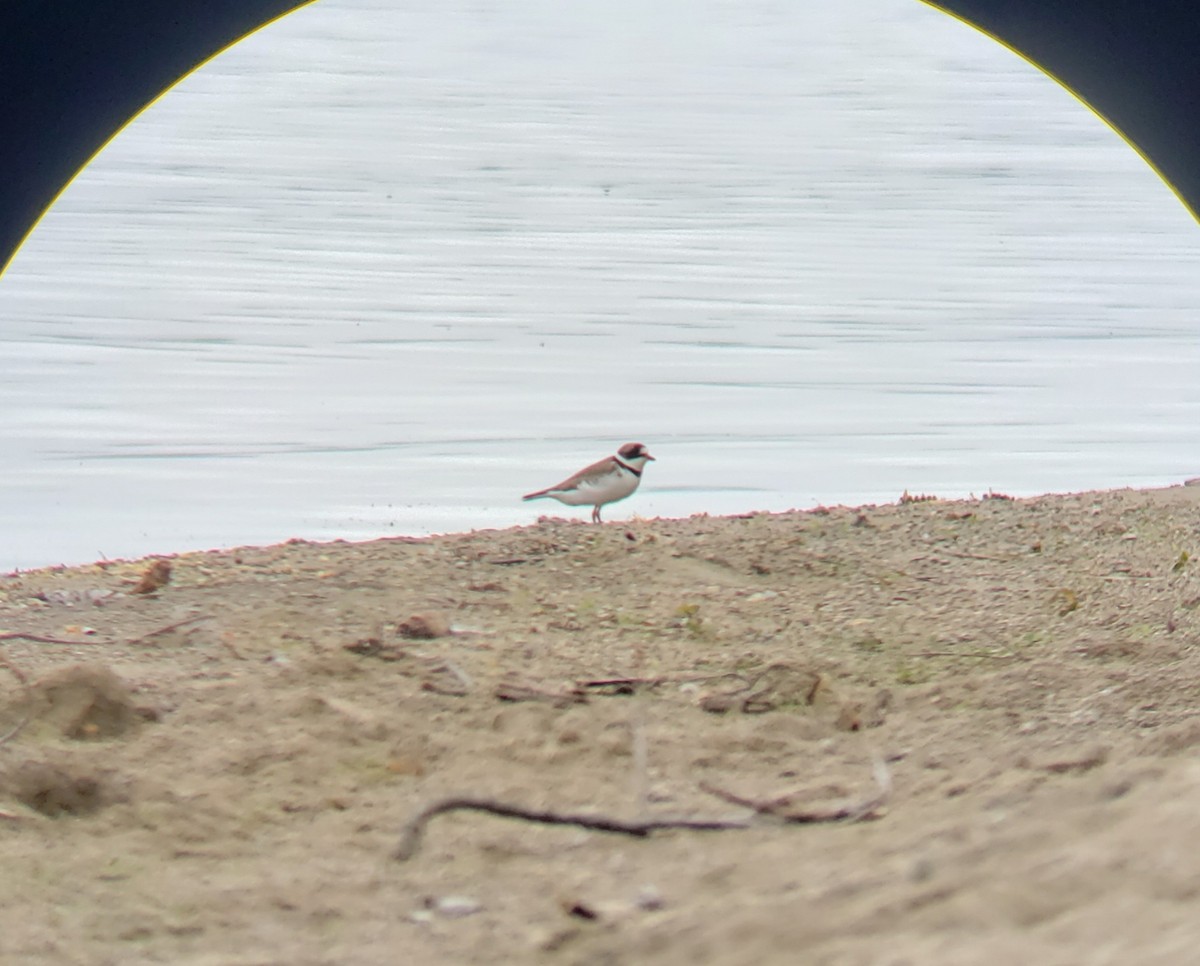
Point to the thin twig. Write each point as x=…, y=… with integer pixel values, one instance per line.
x=42, y=639
x=168, y=628
x=39, y=639
x=616, y=682
x=778, y=807
x=632, y=683
x=410, y=838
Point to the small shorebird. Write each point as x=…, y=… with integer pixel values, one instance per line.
x=612, y=479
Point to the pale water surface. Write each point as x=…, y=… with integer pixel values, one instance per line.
x=385, y=266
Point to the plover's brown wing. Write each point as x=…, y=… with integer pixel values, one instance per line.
x=589, y=474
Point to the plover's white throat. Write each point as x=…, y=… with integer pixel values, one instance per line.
x=607, y=481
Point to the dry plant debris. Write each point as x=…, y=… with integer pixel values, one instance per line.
x=779, y=808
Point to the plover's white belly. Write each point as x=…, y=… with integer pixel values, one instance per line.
x=607, y=489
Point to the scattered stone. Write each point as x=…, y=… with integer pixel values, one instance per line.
x=512, y=689
x=777, y=685
x=719, y=703
x=455, y=907
x=580, y=910
x=424, y=626
x=155, y=577
x=649, y=898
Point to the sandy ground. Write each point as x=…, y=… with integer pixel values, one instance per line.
x=219, y=771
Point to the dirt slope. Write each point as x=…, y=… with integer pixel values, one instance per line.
x=218, y=771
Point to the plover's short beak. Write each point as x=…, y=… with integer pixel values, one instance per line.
x=649, y=457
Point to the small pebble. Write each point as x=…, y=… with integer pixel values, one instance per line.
x=649, y=898
x=456, y=907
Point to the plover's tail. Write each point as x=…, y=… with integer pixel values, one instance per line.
x=536, y=496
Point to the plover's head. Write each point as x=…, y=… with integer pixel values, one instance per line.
x=635, y=454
